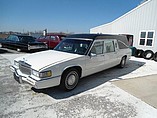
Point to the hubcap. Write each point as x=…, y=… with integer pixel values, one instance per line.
x=71, y=80
x=123, y=62
x=148, y=55
x=18, y=50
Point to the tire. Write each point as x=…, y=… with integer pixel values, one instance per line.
x=155, y=57
x=69, y=79
x=148, y=54
x=123, y=62
x=139, y=53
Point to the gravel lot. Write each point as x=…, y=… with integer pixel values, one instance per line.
x=95, y=96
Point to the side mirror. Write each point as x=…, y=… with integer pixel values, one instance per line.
x=92, y=54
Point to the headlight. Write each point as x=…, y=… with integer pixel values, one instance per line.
x=35, y=73
x=42, y=74
x=45, y=74
x=16, y=63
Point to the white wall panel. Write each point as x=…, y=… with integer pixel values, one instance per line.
x=143, y=17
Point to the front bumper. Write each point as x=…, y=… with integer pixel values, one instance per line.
x=38, y=84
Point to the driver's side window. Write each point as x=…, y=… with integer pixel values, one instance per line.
x=98, y=48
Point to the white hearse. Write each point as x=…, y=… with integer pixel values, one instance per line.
x=77, y=56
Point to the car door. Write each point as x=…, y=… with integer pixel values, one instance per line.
x=17, y=43
x=111, y=52
x=21, y=43
x=53, y=41
x=6, y=42
x=95, y=58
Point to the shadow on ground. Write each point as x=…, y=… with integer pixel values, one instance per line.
x=92, y=81
x=13, y=51
x=8, y=51
x=3, y=51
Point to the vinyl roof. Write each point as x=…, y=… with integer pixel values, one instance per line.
x=90, y=36
x=99, y=37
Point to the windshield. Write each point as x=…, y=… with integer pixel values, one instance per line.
x=75, y=46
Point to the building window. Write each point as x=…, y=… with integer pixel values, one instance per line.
x=142, y=41
x=143, y=34
x=146, y=38
x=150, y=38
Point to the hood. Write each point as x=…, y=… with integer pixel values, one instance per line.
x=42, y=59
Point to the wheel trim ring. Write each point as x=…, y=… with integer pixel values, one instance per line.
x=74, y=83
x=123, y=62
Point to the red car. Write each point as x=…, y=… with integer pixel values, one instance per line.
x=51, y=39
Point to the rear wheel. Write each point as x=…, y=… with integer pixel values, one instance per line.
x=69, y=79
x=148, y=54
x=123, y=62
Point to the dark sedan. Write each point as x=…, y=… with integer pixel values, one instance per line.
x=23, y=43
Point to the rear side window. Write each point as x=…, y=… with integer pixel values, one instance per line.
x=122, y=45
x=26, y=39
x=109, y=46
x=62, y=37
x=52, y=38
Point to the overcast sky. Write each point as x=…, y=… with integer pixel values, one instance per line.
x=76, y=16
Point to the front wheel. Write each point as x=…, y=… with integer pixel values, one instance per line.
x=123, y=62
x=69, y=79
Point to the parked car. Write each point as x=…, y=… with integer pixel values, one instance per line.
x=23, y=43
x=75, y=57
x=52, y=39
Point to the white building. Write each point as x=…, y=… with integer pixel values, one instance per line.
x=141, y=22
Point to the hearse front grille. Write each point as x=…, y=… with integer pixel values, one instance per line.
x=25, y=68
